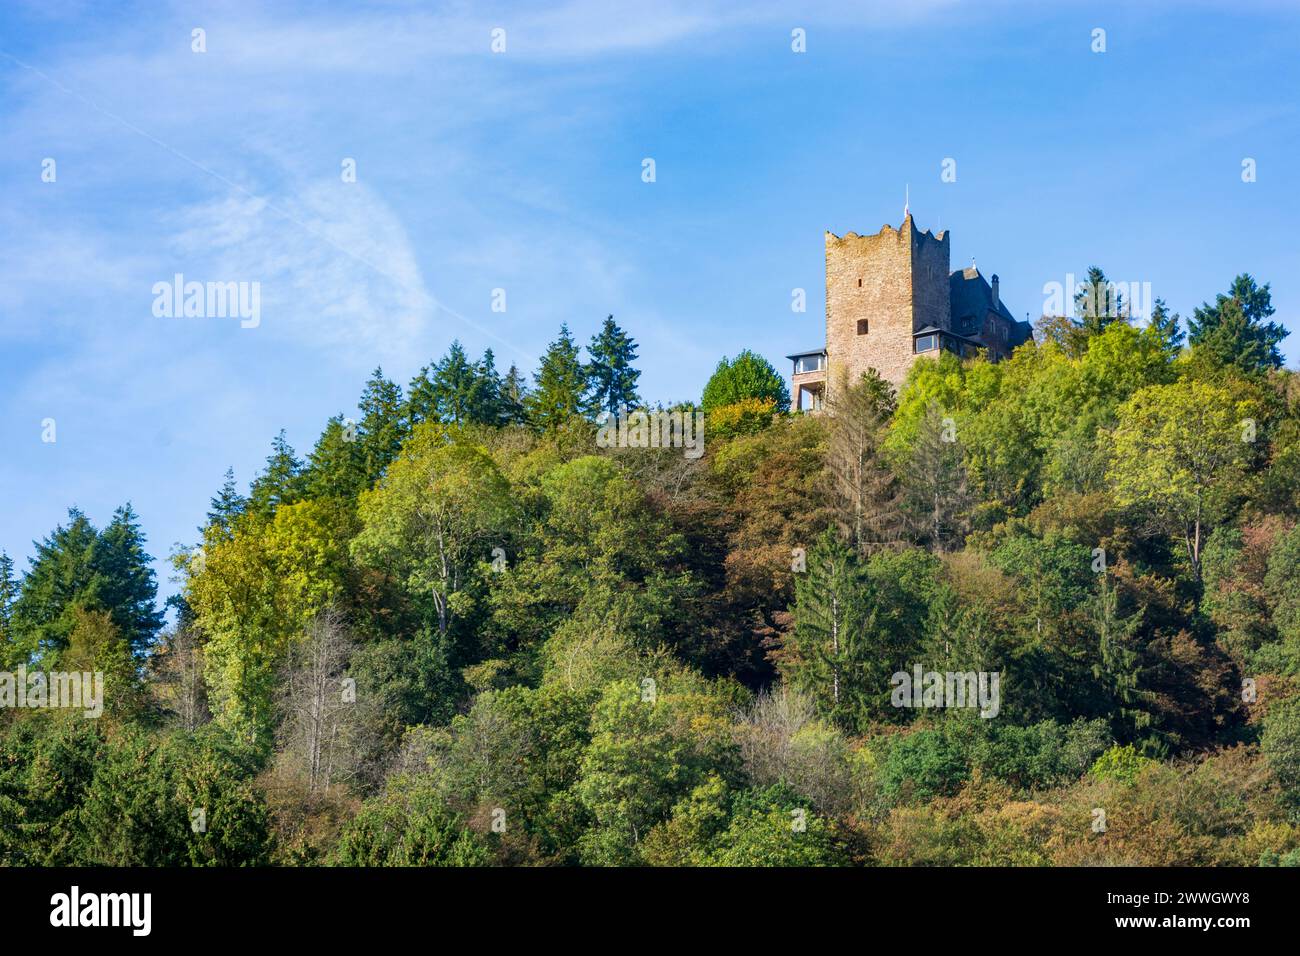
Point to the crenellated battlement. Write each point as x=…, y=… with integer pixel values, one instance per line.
x=890, y=298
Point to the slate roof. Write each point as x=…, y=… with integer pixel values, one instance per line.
x=970, y=294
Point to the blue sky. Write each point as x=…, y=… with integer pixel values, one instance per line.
x=522, y=171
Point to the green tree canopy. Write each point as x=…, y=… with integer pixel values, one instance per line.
x=748, y=375
x=559, y=387
x=610, y=371
x=1234, y=331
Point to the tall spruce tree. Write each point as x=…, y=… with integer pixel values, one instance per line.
x=77, y=568
x=610, y=372
x=59, y=578
x=1098, y=305
x=226, y=506
x=511, y=397
x=1165, y=327
x=123, y=582
x=1234, y=331
x=485, y=406
x=8, y=595
x=383, y=425
x=936, y=499
x=420, y=405
x=1118, y=664
x=454, y=385
x=559, y=386
x=335, y=468
x=280, y=482
x=835, y=623
x=863, y=490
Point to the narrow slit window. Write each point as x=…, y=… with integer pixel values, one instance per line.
x=862, y=326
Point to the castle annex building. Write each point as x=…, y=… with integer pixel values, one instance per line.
x=890, y=297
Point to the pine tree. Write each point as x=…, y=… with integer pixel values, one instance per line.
x=60, y=576
x=511, y=397
x=227, y=505
x=8, y=595
x=1099, y=305
x=420, y=405
x=613, y=379
x=863, y=490
x=383, y=425
x=78, y=568
x=124, y=584
x=1165, y=327
x=280, y=483
x=485, y=401
x=559, y=386
x=835, y=623
x=455, y=386
x=936, y=500
x=1233, y=331
x=335, y=468
x=1118, y=665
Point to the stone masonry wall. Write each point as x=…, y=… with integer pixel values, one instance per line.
x=897, y=280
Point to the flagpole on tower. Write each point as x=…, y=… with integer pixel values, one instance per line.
x=907, y=199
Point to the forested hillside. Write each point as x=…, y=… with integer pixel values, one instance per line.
x=462, y=631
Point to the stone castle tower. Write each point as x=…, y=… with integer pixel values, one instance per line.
x=890, y=298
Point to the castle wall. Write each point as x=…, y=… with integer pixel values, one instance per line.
x=897, y=280
x=931, y=296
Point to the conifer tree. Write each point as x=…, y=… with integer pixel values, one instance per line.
x=610, y=372
x=835, y=621
x=335, y=468
x=1118, y=666
x=280, y=482
x=559, y=386
x=485, y=402
x=1098, y=305
x=78, y=568
x=8, y=595
x=383, y=424
x=863, y=489
x=420, y=406
x=60, y=575
x=455, y=386
x=936, y=500
x=1234, y=331
x=511, y=398
x=1165, y=327
x=226, y=506
x=124, y=584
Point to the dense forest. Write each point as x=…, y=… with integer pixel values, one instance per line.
x=462, y=631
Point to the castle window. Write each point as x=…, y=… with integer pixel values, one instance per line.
x=927, y=343
x=862, y=326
